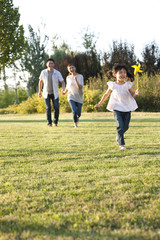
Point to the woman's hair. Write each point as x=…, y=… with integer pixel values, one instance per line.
x=68, y=68
x=117, y=67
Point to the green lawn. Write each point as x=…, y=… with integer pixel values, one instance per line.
x=67, y=183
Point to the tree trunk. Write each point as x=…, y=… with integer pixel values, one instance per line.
x=4, y=79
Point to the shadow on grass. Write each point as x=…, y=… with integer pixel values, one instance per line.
x=39, y=229
x=61, y=120
x=57, y=154
x=82, y=120
x=63, y=231
x=60, y=155
x=145, y=120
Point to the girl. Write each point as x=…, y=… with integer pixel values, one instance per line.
x=75, y=92
x=121, y=101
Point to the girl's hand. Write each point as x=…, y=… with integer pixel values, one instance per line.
x=137, y=92
x=97, y=105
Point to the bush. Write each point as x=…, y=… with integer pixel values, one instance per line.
x=8, y=97
x=149, y=99
x=90, y=98
x=98, y=83
x=63, y=102
x=31, y=105
x=35, y=104
x=22, y=95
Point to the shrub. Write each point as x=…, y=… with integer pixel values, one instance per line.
x=31, y=105
x=6, y=98
x=22, y=95
x=90, y=98
x=149, y=99
x=63, y=101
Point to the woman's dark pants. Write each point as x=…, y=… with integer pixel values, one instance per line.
x=76, y=109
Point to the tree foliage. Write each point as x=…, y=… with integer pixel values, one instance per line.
x=61, y=54
x=151, y=58
x=120, y=52
x=11, y=34
x=35, y=56
x=92, y=62
x=87, y=62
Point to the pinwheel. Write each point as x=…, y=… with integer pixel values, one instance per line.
x=136, y=71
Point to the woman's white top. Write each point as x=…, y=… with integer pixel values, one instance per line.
x=74, y=93
x=120, y=98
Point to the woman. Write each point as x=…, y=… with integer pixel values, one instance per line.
x=74, y=87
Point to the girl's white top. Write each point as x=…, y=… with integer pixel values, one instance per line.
x=74, y=93
x=121, y=99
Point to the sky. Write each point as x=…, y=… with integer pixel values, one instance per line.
x=133, y=21
x=136, y=21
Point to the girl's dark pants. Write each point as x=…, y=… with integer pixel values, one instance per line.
x=76, y=109
x=122, y=120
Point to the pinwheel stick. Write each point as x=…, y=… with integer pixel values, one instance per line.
x=137, y=82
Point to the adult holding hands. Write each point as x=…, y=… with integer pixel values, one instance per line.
x=74, y=87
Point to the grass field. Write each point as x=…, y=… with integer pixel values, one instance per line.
x=67, y=183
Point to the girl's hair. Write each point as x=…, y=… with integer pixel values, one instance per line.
x=117, y=67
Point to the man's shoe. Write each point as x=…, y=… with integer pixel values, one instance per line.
x=122, y=147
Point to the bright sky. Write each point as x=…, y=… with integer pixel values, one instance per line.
x=136, y=21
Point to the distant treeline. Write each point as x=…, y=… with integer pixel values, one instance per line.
x=90, y=62
x=29, y=54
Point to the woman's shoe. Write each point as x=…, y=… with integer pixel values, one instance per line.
x=122, y=147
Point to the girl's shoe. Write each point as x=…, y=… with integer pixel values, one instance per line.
x=122, y=147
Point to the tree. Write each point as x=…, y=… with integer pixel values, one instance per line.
x=86, y=62
x=92, y=58
x=151, y=58
x=122, y=53
x=61, y=54
x=89, y=41
x=34, y=58
x=11, y=34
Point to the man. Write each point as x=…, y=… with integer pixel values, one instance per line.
x=49, y=79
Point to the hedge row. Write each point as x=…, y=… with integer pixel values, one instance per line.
x=149, y=99
x=35, y=104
